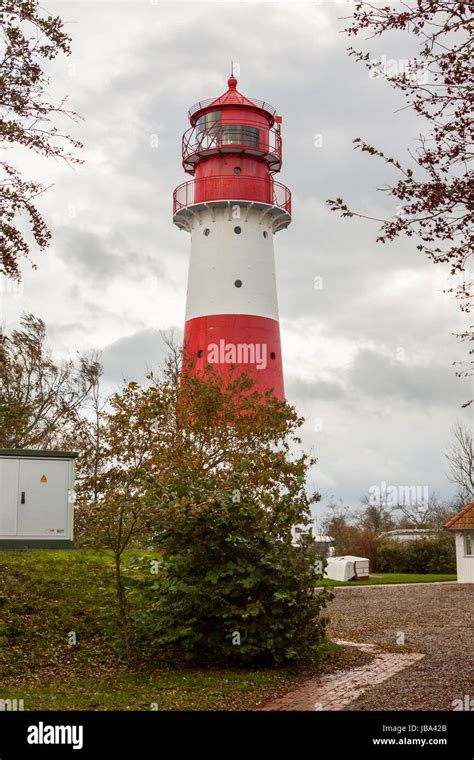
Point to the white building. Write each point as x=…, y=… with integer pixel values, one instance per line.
x=409, y=534
x=463, y=526
x=323, y=545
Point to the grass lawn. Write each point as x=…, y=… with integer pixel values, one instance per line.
x=382, y=578
x=46, y=595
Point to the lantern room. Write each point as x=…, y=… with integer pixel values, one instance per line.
x=229, y=124
x=232, y=149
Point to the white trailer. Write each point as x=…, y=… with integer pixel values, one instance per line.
x=36, y=499
x=347, y=568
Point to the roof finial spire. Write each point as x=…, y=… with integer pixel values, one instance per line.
x=232, y=81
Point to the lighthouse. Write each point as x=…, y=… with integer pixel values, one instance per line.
x=232, y=209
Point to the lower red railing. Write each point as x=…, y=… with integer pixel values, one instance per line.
x=234, y=188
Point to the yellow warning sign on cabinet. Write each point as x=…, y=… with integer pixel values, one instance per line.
x=44, y=479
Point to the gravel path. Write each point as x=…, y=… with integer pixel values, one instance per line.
x=437, y=620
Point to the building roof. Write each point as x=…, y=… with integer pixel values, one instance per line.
x=409, y=532
x=464, y=520
x=39, y=453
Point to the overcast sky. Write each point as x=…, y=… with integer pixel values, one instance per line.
x=368, y=357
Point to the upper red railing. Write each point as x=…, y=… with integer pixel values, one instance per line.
x=257, y=103
x=229, y=137
x=233, y=188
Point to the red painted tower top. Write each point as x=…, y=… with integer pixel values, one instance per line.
x=232, y=207
x=221, y=128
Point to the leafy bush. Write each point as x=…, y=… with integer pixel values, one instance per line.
x=231, y=586
x=206, y=470
x=423, y=555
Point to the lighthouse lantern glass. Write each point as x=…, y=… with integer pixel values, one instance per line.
x=208, y=121
x=237, y=134
x=207, y=128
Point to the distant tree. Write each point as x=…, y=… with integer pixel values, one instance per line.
x=31, y=39
x=443, y=509
x=363, y=533
x=434, y=194
x=40, y=399
x=461, y=462
x=431, y=513
x=86, y=436
x=376, y=518
x=338, y=522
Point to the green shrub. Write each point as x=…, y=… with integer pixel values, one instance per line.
x=231, y=586
x=423, y=555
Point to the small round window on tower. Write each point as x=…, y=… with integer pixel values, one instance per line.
x=207, y=231
x=238, y=283
x=237, y=169
x=237, y=230
x=265, y=234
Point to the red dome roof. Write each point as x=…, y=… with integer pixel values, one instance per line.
x=232, y=97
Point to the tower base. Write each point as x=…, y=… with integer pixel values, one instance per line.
x=245, y=342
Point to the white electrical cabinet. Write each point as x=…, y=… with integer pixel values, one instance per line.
x=36, y=499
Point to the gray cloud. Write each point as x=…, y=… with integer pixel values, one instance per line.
x=115, y=274
x=298, y=389
x=133, y=357
x=377, y=375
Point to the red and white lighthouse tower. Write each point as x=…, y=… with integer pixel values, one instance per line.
x=232, y=208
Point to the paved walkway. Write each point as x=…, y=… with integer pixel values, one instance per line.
x=335, y=691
